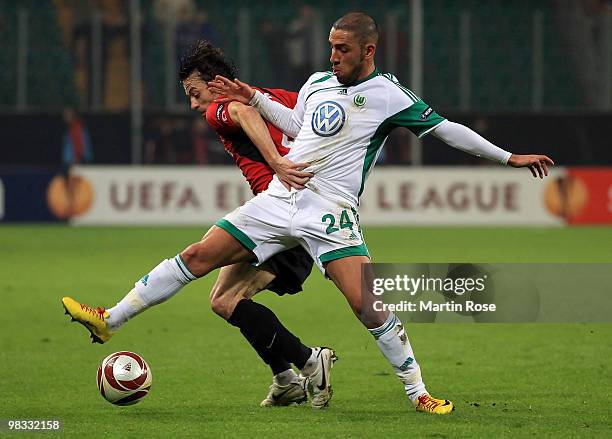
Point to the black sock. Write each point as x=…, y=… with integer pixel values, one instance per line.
x=267, y=334
x=273, y=359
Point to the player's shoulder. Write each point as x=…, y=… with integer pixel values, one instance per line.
x=218, y=116
x=391, y=81
x=398, y=92
x=212, y=110
x=319, y=81
x=286, y=97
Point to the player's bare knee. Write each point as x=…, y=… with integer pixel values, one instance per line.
x=367, y=315
x=192, y=254
x=223, y=300
x=197, y=259
x=371, y=319
x=222, y=305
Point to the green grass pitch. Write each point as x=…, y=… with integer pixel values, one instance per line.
x=507, y=380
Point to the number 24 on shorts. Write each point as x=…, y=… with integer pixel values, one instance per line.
x=345, y=222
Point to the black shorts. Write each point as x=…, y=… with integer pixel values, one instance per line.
x=292, y=267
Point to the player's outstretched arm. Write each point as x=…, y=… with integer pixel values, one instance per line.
x=465, y=139
x=275, y=112
x=290, y=174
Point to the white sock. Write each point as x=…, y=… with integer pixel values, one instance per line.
x=163, y=282
x=311, y=363
x=286, y=377
x=392, y=340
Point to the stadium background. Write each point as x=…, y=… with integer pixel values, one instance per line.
x=531, y=76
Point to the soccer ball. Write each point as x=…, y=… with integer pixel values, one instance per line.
x=124, y=378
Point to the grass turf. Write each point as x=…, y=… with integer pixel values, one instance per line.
x=507, y=380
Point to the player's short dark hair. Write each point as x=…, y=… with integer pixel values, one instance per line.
x=207, y=60
x=360, y=24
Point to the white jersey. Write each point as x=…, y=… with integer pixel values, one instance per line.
x=343, y=129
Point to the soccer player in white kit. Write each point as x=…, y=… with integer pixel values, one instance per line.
x=340, y=123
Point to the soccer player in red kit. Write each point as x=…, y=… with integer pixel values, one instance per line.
x=255, y=167
x=258, y=148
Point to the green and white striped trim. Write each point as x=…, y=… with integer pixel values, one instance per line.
x=423, y=133
x=374, y=74
x=388, y=326
x=355, y=250
x=414, y=98
x=236, y=233
x=375, y=144
x=328, y=75
x=335, y=87
x=183, y=267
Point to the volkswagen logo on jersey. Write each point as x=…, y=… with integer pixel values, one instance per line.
x=328, y=118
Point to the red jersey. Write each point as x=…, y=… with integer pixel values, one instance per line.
x=246, y=155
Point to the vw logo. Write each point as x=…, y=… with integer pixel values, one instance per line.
x=328, y=118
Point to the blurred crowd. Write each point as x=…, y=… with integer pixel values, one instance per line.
x=178, y=139
x=286, y=46
x=182, y=140
x=85, y=24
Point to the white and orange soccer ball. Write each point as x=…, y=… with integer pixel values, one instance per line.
x=124, y=378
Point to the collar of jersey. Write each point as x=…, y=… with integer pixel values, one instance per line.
x=370, y=76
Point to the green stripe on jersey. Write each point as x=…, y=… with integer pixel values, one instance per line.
x=414, y=98
x=376, y=142
x=336, y=87
x=324, y=78
x=374, y=74
x=416, y=118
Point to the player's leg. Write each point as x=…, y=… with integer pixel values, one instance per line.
x=264, y=330
x=235, y=283
x=386, y=328
x=216, y=249
x=330, y=230
x=292, y=267
x=230, y=299
x=263, y=225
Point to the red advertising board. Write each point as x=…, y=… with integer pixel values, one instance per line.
x=582, y=196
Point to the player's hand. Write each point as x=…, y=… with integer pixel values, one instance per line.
x=235, y=90
x=290, y=174
x=537, y=163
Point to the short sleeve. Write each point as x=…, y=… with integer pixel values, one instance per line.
x=218, y=117
x=419, y=118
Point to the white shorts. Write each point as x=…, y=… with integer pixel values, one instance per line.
x=269, y=224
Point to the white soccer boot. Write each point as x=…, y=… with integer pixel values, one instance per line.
x=318, y=382
x=293, y=393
